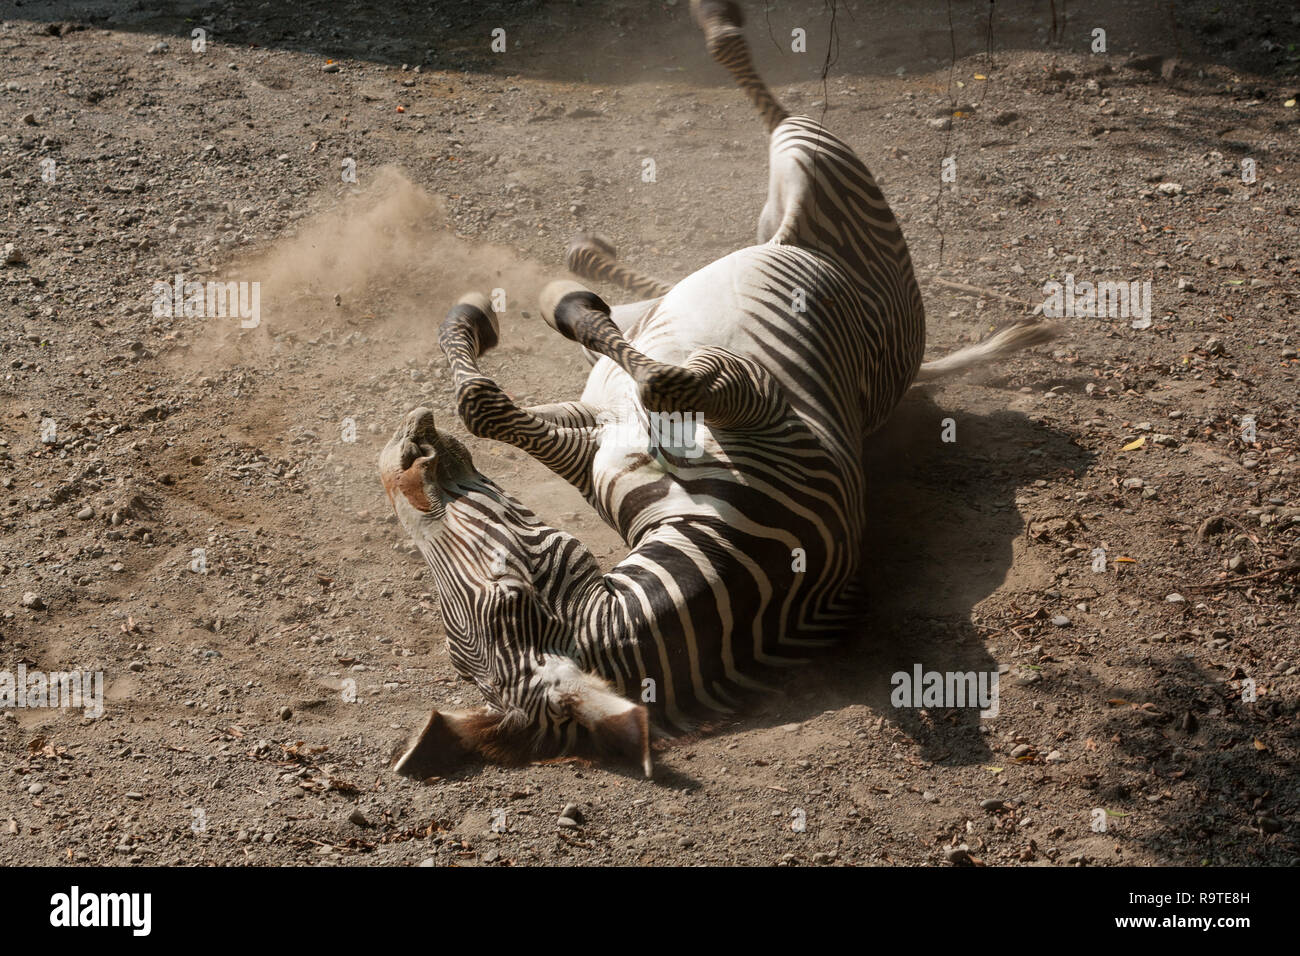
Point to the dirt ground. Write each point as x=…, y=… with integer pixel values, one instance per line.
x=230, y=732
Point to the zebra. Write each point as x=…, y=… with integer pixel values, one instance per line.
x=744, y=535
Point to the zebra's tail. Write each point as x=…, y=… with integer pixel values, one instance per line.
x=1019, y=335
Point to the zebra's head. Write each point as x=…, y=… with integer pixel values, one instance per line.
x=512, y=593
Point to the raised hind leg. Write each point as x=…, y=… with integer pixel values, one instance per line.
x=721, y=21
x=560, y=436
x=729, y=391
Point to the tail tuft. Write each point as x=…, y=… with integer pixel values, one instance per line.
x=1019, y=335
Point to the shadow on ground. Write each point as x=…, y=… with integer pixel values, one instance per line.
x=940, y=526
x=621, y=41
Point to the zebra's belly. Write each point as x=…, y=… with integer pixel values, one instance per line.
x=647, y=464
x=738, y=302
x=843, y=355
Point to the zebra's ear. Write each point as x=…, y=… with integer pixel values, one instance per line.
x=446, y=742
x=617, y=725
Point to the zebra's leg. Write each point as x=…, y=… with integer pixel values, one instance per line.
x=590, y=257
x=721, y=21
x=728, y=390
x=560, y=436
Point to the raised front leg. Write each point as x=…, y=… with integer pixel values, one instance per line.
x=728, y=390
x=561, y=436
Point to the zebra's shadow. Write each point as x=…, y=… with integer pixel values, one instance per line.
x=941, y=525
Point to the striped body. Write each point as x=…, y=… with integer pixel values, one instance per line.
x=711, y=593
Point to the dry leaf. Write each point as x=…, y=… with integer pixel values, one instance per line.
x=1135, y=443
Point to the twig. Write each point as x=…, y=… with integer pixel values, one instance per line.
x=978, y=290
x=1280, y=569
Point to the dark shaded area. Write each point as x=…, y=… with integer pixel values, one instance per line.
x=1194, y=757
x=941, y=519
x=621, y=41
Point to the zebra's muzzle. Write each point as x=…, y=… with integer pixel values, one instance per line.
x=417, y=460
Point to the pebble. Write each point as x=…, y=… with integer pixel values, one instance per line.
x=428, y=861
x=330, y=68
x=1021, y=750
x=33, y=600
x=1170, y=189
x=285, y=713
x=930, y=797
x=13, y=256
x=1175, y=598
x=573, y=812
x=1133, y=483
x=358, y=818
x=992, y=805
x=136, y=666
x=945, y=123
x=36, y=789
x=567, y=823
x=957, y=854
x=1061, y=620
x=85, y=514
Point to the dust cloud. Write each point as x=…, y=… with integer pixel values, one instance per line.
x=382, y=260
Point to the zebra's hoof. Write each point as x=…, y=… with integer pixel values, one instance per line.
x=710, y=12
x=707, y=12
x=564, y=302
x=475, y=310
